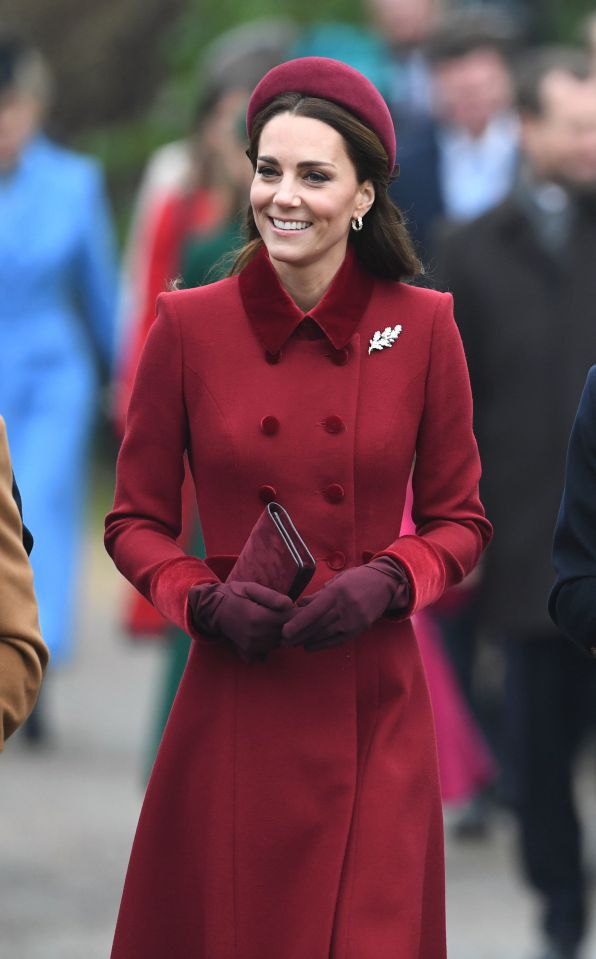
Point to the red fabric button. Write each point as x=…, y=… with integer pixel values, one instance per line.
x=267, y=493
x=334, y=424
x=334, y=493
x=340, y=357
x=273, y=358
x=367, y=555
x=269, y=425
x=337, y=560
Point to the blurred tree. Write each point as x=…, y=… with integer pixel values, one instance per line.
x=566, y=15
x=110, y=59
x=105, y=57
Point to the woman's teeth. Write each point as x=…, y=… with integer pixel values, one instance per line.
x=289, y=224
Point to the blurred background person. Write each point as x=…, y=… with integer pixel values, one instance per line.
x=191, y=227
x=57, y=311
x=457, y=163
x=23, y=654
x=406, y=26
x=524, y=285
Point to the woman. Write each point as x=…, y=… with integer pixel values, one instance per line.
x=23, y=654
x=294, y=809
x=57, y=308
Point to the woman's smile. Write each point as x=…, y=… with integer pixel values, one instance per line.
x=290, y=226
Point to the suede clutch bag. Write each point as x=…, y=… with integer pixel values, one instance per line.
x=275, y=555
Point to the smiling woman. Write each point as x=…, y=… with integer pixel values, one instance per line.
x=342, y=170
x=294, y=809
x=303, y=207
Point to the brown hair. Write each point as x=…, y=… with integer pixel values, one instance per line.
x=538, y=64
x=464, y=31
x=383, y=247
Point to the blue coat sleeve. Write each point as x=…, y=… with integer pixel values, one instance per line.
x=572, y=602
x=97, y=275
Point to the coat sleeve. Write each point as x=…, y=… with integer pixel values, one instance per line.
x=572, y=602
x=23, y=654
x=451, y=527
x=141, y=531
x=96, y=273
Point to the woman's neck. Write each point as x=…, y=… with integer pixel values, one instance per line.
x=307, y=285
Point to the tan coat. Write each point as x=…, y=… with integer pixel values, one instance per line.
x=23, y=653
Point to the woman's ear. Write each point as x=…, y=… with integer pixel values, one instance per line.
x=365, y=199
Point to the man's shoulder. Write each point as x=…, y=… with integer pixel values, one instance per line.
x=587, y=406
x=484, y=227
x=591, y=380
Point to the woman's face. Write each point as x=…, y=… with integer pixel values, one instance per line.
x=224, y=140
x=20, y=116
x=305, y=192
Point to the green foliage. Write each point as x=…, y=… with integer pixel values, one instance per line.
x=124, y=149
x=566, y=16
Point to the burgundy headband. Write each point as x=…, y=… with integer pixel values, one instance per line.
x=328, y=80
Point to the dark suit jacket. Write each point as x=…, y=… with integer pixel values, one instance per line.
x=417, y=191
x=529, y=329
x=572, y=603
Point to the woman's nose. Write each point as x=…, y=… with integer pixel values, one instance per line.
x=286, y=194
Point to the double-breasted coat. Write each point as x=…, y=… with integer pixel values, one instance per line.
x=294, y=809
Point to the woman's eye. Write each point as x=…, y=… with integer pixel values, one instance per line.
x=266, y=171
x=315, y=177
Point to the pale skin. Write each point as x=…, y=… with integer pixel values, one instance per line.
x=560, y=142
x=405, y=23
x=473, y=89
x=304, y=196
x=20, y=118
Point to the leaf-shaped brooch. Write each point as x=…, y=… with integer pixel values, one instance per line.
x=385, y=338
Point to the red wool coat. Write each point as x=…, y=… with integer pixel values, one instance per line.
x=294, y=811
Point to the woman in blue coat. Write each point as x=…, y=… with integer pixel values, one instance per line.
x=57, y=296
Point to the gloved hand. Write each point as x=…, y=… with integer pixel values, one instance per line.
x=347, y=605
x=249, y=615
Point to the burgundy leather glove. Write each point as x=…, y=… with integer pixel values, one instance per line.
x=347, y=605
x=248, y=615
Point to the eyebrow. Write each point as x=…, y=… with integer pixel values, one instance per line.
x=303, y=163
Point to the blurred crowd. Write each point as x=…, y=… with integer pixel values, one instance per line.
x=497, y=178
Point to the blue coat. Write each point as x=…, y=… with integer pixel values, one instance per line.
x=572, y=603
x=57, y=323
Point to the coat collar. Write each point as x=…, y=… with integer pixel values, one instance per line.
x=274, y=316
